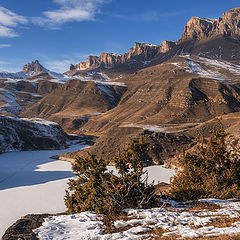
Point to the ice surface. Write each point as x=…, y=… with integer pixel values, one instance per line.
x=30, y=183
x=155, y=173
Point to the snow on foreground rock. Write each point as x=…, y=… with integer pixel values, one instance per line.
x=177, y=220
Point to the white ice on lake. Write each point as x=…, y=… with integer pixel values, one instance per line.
x=32, y=183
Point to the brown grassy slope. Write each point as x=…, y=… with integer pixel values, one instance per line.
x=73, y=100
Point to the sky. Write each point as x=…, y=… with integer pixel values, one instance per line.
x=61, y=32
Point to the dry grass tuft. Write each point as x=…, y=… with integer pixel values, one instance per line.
x=199, y=206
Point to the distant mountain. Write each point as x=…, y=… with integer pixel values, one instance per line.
x=31, y=70
x=73, y=103
x=182, y=84
x=172, y=87
x=35, y=68
x=204, y=28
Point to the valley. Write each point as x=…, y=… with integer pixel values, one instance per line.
x=165, y=94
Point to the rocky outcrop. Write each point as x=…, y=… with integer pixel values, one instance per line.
x=203, y=28
x=33, y=68
x=32, y=71
x=197, y=28
x=229, y=24
x=22, y=229
x=166, y=46
x=30, y=134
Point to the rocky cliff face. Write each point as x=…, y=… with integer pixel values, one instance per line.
x=197, y=28
x=166, y=46
x=30, y=134
x=203, y=28
x=140, y=52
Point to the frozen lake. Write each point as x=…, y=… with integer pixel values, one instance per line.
x=33, y=183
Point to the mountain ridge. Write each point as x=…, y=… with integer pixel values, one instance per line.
x=197, y=29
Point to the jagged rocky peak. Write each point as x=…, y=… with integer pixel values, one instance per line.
x=202, y=28
x=229, y=24
x=33, y=68
x=197, y=28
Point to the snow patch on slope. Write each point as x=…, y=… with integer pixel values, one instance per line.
x=215, y=69
x=11, y=105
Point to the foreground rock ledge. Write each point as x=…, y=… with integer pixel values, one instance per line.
x=22, y=229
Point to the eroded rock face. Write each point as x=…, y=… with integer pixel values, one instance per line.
x=197, y=28
x=140, y=51
x=203, y=28
x=33, y=68
x=166, y=46
x=30, y=134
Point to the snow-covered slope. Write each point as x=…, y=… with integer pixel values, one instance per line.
x=178, y=220
x=10, y=101
x=18, y=75
x=30, y=134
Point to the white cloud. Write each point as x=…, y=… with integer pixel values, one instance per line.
x=9, y=20
x=69, y=11
x=58, y=65
x=7, y=32
x=6, y=66
x=5, y=45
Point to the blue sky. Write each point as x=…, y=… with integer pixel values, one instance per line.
x=60, y=32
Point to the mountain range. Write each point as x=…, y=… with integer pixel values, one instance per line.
x=166, y=92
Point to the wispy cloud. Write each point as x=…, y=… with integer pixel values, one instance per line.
x=58, y=65
x=5, y=45
x=6, y=66
x=8, y=21
x=148, y=16
x=70, y=11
